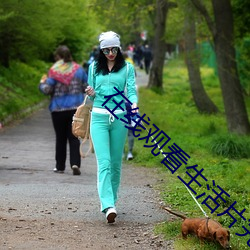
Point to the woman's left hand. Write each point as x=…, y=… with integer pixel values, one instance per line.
x=90, y=91
x=134, y=106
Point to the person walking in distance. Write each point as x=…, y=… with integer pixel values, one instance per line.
x=109, y=134
x=147, y=54
x=65, y=84
x=131, y=137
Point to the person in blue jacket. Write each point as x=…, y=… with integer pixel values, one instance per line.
x=65, y=83
x=108, y=133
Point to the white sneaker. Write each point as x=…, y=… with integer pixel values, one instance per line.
x=111, y=214
x=58, y=171
x=129, y=156
x=76, y=170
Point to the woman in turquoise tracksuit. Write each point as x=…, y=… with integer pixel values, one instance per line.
x=108, y=133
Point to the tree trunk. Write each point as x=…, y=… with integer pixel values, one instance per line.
x=235, y=109
x=201, y=99
x=159, y=47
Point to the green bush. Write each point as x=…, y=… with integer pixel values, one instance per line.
x=231, y=146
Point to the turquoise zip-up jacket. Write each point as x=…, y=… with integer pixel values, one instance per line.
x=123, y=80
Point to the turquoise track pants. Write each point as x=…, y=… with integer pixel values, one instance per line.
x=108, y=139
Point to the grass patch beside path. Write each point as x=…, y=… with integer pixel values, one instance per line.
x=19, y=89
x=200, y=136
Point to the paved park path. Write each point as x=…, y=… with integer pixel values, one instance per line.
x=40, y=209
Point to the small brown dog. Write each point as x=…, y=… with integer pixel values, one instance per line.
x=204, y=228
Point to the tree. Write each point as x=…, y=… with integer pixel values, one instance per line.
x=28, y=33
x=23, y=33
x=128, y=18
x=201, y=99
x=159, y=44
x=223, y=38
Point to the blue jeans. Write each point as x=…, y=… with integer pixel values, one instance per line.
x=108, y=139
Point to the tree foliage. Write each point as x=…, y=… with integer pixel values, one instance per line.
x=126, y=17
x=241, y=18
x=175, y=25
x=28, y=33
x=242, y=34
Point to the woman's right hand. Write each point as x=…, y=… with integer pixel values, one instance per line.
x=90, y=91
x=43, y=79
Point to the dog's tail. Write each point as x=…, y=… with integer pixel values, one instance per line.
x=174, y=213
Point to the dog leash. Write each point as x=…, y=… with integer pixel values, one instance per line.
x=197, y=202
x=184, y=184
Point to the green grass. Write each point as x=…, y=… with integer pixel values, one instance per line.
x=19, y=87
x=224, y=157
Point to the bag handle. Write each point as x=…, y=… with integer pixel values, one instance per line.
x=85, y=99
x=92, y=74
x=91, y=148
x=85, y=139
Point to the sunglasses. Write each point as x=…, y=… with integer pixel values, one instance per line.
x=106, y=51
